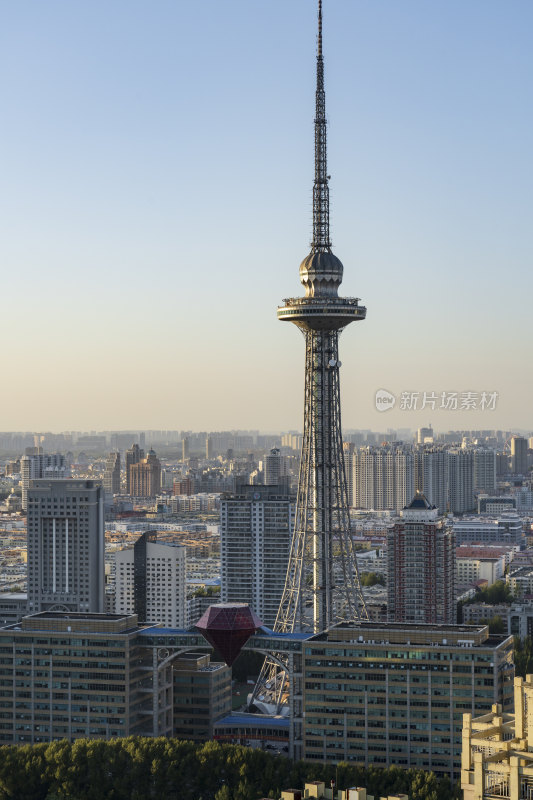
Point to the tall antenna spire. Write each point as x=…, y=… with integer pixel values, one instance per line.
x=321, y=242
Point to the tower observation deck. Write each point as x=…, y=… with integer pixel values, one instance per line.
x=322, y=585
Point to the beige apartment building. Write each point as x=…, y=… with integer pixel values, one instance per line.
x=145, y=476
x=497, y=756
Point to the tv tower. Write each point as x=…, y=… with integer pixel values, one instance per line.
x=322, y=585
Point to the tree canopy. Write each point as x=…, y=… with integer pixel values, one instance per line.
x=523, y=656
x=499, y=592
x=206, y=591
x=371, y=578
x=138, y=768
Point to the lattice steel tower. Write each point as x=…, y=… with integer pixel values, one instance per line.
x=322, y=585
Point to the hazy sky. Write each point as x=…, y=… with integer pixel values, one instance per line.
x=156, y=181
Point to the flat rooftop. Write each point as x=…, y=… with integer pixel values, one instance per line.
x=411, y=634
x=406, y=626
x=261, y=721
x=73, y=622
x=77, y=615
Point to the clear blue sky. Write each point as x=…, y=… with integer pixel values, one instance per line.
x=156, y=203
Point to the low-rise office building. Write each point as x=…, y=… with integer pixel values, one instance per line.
x=71, y=676
x=521, y=581
x=395, y=694
x=495, y=505
x=13, y=606
x=66, y=675
x=475, y=563
x=516, y=617
x=202, y=695
x=505, y=530
x=482, y=613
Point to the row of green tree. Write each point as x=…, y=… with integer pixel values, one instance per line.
x=498, y=592
x=144, y=769
x=207, y=591
x=523, y=656
x=371, y=578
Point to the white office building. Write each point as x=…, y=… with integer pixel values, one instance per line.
x=150, y=581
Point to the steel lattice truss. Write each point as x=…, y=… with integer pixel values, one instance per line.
x=322, y=586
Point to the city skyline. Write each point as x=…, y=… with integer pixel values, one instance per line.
x=148, y=153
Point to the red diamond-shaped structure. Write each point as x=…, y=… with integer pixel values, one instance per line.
x=228, y=626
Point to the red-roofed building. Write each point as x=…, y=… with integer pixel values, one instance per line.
x=480, y=563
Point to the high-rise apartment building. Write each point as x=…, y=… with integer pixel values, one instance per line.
x=255, y=533
x=65, y=546
x=185, y=448
x=150, y=581
x=502, y=464
x=133, y=455
x=145, y=476
x=519, y=455
x=421, y=567
x=40, y=465
x=383, y=477
x=484, y=470
x=273, y=467
x=112, y=474
x=431, y=475
x=449, y=477
x=461, y=480
x=292, y=441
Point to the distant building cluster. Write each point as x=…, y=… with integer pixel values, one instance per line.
x=387, y=476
